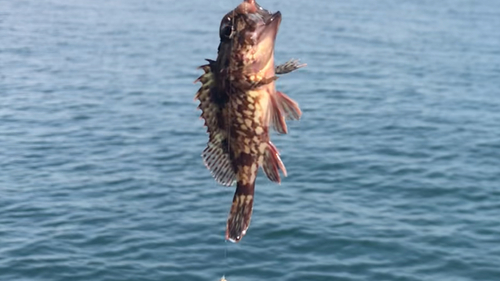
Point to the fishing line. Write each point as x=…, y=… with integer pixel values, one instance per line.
x=226, y=262
x=225, y=255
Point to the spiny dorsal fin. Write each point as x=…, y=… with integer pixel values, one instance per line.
x=215, y=156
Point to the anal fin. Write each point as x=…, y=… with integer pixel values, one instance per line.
x=272, y=163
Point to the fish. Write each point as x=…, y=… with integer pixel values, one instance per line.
x=239, y=103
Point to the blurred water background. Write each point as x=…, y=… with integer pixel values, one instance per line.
x=394, y=169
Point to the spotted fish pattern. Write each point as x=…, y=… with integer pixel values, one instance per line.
x=239, y=103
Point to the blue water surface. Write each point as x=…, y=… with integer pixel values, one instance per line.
x=394, y=169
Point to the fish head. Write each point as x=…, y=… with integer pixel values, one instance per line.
x=248, y=34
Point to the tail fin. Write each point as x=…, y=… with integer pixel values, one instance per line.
x=241, y=212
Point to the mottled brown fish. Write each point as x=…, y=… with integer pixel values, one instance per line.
x=239, y=102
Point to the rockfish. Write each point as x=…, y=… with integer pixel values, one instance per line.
x=239, y=103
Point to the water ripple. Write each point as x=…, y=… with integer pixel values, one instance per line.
x=393, y=169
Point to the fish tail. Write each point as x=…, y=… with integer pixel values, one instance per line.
x=241, y=211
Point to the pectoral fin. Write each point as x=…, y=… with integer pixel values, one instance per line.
x=283, y=108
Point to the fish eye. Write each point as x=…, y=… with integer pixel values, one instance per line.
x=225, y=32
x=226, y=29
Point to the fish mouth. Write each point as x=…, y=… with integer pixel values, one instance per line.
x=259, y=20
x=260, y=31
x=266, y=37
x=270, y=28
